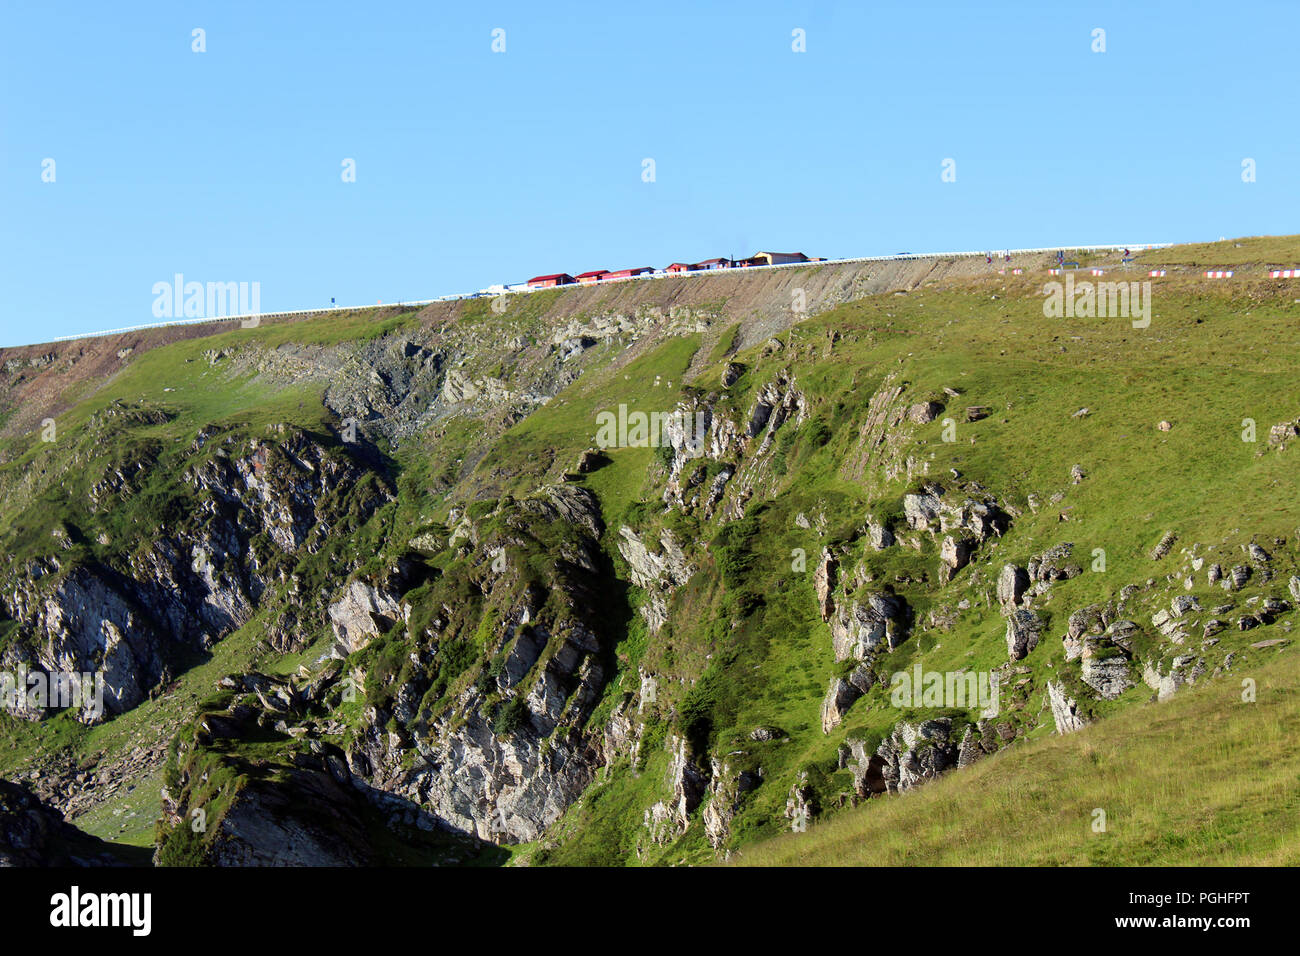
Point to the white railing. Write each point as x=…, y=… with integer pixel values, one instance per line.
x=483, y=293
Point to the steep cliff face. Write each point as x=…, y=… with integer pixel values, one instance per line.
x=135, y=608
x=504, y=749
x=382, y=588
x=472, y=692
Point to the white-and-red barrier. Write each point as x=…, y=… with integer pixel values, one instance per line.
x=1285, y=274
x=1219, y=275
x=1156, y=272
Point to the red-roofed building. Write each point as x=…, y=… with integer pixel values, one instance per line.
x=680, y=267
x=586, y=278
x=545, y=282
x=628, y=273
x=713, y=264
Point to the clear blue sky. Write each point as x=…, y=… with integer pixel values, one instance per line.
x=474, y=167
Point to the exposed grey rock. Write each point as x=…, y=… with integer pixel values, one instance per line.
x=1092, y=619
x=33, y=834
x=1181, y=672
x=920, y=510
x=1270, y=608
x=726, y=787
x=842, y=694
x=1012, y=584
x=1164, y=546
x=1053, y=565
x=1280, y=434
x=954, y=553
x=969, y=750
x=914, y=753
x=1275, y=642
x=308, y=817
x=824, y=583
x=669, y=819
x=979, y=518
x=862, y=626
x=659, y=573
x=1105, y=671
x=801, y=805
x=1023, y=630
x=1065, y=710
x=924, y=412
x=880, y=536
x=1122, y=634
x=361, y=614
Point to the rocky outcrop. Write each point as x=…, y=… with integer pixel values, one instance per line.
x=310, y=817
x=659, y=572
x=1183, y=669
x=959, y=526
x=824, y=584
x=877, y=618
x=1092, y=619
x=502, y=790
x=1163, y=546
x=1051, y=566
x=726, y=788
x=954, y=554
x=801, y=805
x=1105, y=669
x=1024, y=627
x=669, y=819
x=1013, y=581
x=134, y=616
x=912, y=754
x=1065, y=710
x=879, y=536
x=83, y=622
x=362, y=613
x=842, y=694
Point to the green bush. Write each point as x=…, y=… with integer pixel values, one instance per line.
x=510, y=716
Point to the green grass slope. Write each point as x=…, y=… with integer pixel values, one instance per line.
x=1204, y=779
x=744, y=646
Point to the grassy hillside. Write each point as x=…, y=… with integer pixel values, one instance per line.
x=1204, y=779
x=752, y=652
x=472, y=418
